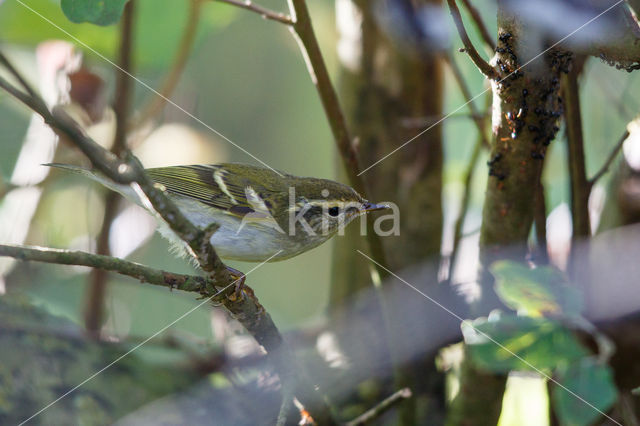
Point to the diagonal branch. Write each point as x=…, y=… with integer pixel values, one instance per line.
x=484, y=67
x=303, y=30
x=375, y=412
x=264, y=12
x=482, y=28
x=612, y=156
x=478, y=118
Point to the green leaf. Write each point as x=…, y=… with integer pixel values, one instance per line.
x=99, y=12
x=591, y=382
x=509, y=342
x=537, y=291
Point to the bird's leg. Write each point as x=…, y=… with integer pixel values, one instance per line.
x=240, y=278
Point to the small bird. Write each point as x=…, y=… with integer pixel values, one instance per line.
x=263, y=214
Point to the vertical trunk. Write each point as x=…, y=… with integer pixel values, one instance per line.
x=526, y=107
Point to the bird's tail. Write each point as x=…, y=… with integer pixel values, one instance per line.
x=126, y=190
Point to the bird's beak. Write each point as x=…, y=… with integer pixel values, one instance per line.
x=371, y=207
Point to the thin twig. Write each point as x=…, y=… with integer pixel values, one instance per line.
x=482, y=140
x=478, y=117
x=94, y=309
x=482, y=28
x=265, y=13
x=609, y=161
x=303, y=30
x=139, y=272
x=482, y=65
x=179, y=63
x=23, y=82
x=381, y=408
x=424, y=122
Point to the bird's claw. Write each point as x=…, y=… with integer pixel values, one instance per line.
x=240, y=279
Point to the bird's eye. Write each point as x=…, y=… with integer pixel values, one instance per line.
x=334, y=211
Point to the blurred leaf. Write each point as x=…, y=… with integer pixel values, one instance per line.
x=537, y=291
x=589, y=380
x=541, y=342
x=99, y=12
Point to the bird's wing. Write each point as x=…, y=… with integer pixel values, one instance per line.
x=211, y=185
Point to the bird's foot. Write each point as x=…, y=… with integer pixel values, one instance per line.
x=239, y=278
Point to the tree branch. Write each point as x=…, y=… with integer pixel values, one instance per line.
x=612, y=156
x=265, y=13
x=375, y=412
x=479, y=120
x=484, y=67
x=9, y=66
x=139, y=272
x=179, y=63
x=246, y=309
x=94, y=309
x=482, y=28
x=308, y=43
x=619, y=47
x=477, y=116
x=123, y=91
x=580, y=188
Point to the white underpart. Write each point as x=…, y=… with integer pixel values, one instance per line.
x=217, y=176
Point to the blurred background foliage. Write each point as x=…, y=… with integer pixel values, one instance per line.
x=245, y=77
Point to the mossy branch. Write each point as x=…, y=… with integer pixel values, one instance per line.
x=191, y=283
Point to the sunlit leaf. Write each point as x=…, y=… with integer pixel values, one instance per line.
x=511, y=342
x=99, y=12
x=537, y=291
x=592, y=386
